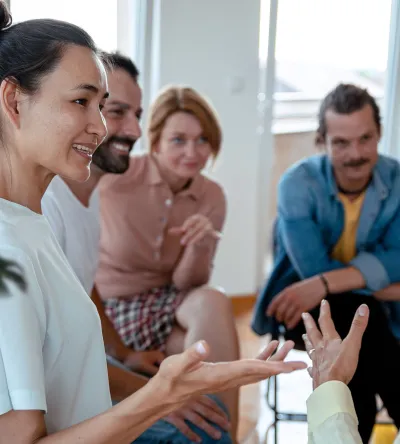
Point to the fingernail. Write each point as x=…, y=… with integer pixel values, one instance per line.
x=323, y=302
x=304, y=316
x=200, y=348
x=362, y=311
x=304, y=337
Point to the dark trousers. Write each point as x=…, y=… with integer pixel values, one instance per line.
x=378, y=370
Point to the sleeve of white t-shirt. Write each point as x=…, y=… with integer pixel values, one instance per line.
x=22, y=332
x=51, y=211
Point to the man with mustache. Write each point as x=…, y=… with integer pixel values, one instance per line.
x=337, y=237
x=73, y=211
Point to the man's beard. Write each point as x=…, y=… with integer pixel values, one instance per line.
x=108, y=160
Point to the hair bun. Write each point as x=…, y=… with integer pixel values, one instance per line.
x=5, y=16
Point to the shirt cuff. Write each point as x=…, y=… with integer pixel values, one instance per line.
x=327, y=400
x=372, y=269
x=28, y=400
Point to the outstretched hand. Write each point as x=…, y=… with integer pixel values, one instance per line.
x=332, y=358
x=187, y=375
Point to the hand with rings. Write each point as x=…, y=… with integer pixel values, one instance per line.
x=333, y=359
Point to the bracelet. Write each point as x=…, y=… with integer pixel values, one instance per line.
x=325, y=282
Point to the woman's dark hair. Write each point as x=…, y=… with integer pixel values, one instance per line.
x=345, y=99
x=29, y=50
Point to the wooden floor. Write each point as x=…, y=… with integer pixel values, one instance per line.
x=250, y=344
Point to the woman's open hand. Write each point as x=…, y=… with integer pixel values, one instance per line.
x=186, y=375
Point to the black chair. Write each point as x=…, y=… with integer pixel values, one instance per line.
x=272, y=385
x=272, y=399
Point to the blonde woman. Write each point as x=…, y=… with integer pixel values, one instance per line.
x=161, y=223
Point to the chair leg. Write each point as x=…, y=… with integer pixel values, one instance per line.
x=273, y=405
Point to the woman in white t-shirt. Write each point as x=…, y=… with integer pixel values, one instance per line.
x=53, y=379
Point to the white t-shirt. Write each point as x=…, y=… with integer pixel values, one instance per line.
x=52, y=354
x=76, y=227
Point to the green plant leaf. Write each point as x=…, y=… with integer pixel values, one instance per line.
x=10, y=271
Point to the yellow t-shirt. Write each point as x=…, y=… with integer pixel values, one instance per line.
x=345, y=249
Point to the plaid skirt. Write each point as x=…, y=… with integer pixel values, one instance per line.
x=144, y=321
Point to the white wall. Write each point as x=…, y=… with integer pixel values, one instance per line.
x=212, y=45
x=97, y=17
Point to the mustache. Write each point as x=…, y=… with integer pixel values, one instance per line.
x=356, y=163
x=125, y=140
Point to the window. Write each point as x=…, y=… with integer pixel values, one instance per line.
x=97, y=17
x=320, y=43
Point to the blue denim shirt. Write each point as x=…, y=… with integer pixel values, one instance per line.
x=309, y=224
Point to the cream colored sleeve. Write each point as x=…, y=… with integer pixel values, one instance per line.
x=331, y=415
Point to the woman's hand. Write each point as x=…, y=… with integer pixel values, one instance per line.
x=186, y=375
x=195, y=230
x=204, y=412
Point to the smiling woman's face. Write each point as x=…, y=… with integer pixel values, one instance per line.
x=182, y=151
x=59, y=127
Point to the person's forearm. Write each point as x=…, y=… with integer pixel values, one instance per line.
x=345, y=279
x=194, y=268
x=112, y=341
x=123, y=383
x=121, y=424
x=391, y=293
